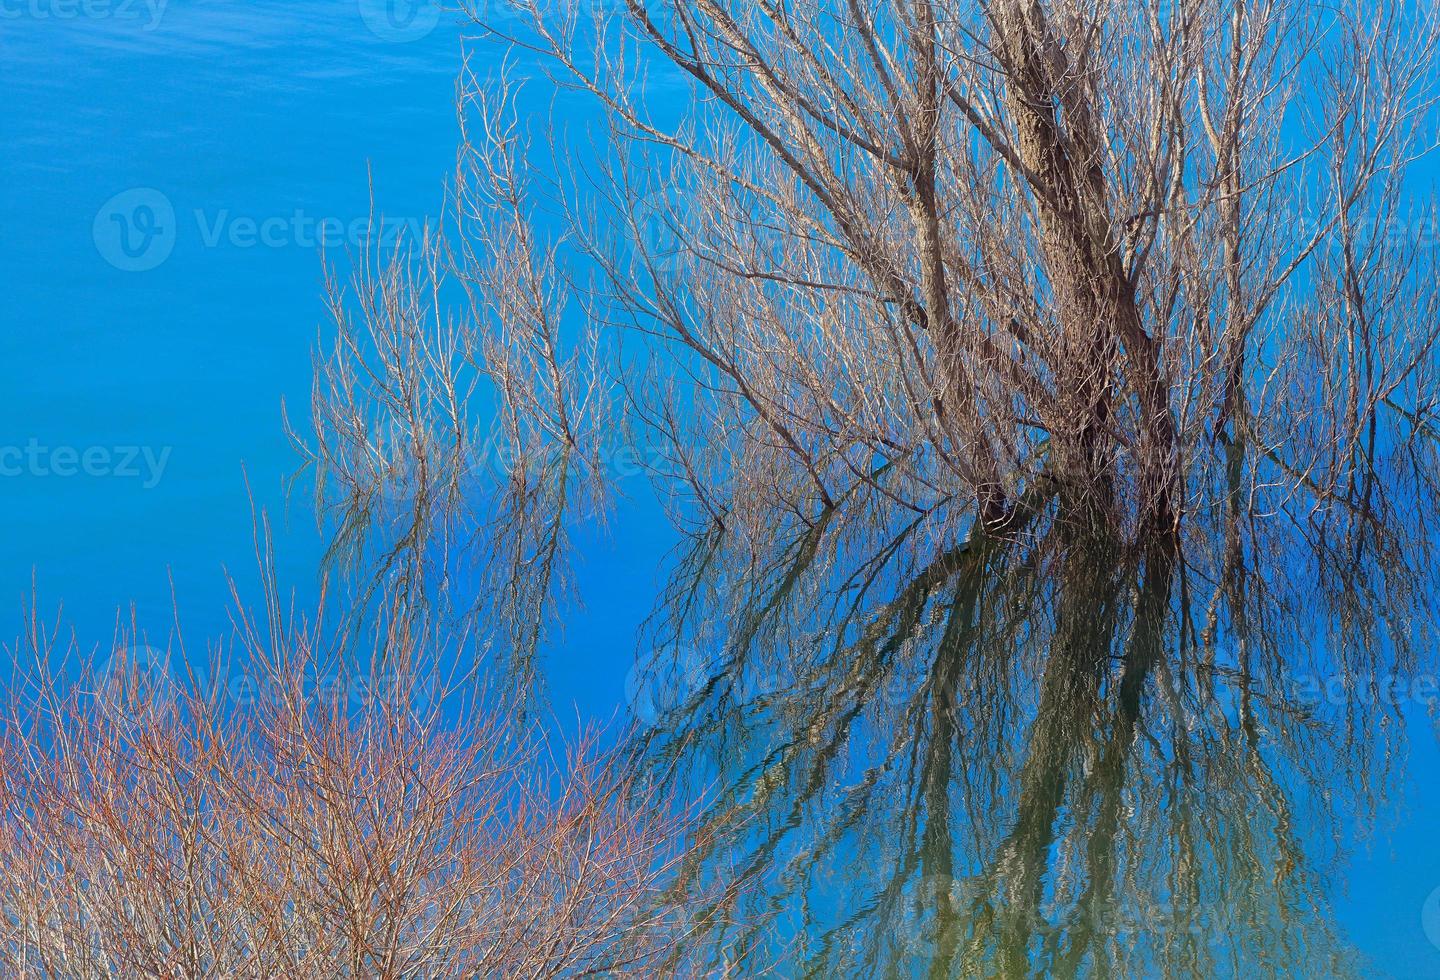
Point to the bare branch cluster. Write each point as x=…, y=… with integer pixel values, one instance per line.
x=315, y=822
x=934, y=252
x=1151, y=258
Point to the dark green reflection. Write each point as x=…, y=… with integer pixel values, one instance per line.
x=1048, y=752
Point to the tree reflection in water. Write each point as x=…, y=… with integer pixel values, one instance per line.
x=1047, y=751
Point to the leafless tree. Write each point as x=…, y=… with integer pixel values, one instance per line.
x=938, y=249
x=897, y=274
x=1150, y=257
x=296, y=814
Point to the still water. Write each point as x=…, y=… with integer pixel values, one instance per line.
x=1045, y=753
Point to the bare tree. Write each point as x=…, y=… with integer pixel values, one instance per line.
x=1153, y=256
x=938, y=249
x=297, y=815
x=905, y=273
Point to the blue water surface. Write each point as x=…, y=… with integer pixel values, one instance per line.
x=169, y=173
x=176, y=177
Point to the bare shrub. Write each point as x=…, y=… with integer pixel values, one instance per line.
x=316, y=819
